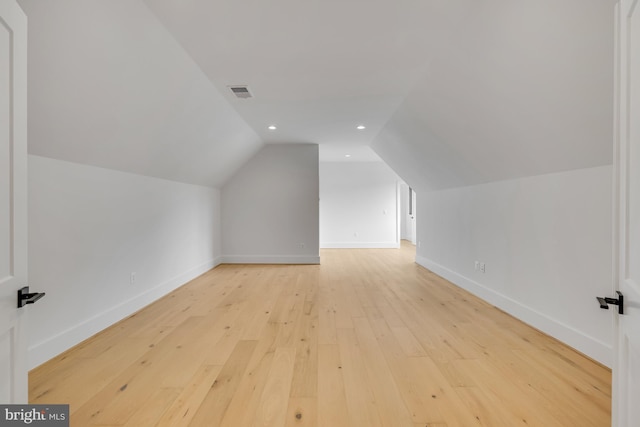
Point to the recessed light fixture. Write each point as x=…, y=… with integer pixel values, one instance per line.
x=272, y=127
x=347, y=155
x=361, y=127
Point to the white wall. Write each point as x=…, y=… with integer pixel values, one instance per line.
x=358, y=205
x=90, y=228
x=545, y=241
x=270, y=207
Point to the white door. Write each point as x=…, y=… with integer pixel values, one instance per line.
x=414, y=214
x=13, y=201
x=626, y=373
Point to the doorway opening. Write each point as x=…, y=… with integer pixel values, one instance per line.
x=407, y=223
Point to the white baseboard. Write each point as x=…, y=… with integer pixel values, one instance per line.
x=360, y=245
x=270, y=259
x=582, y=342
x=53, y=346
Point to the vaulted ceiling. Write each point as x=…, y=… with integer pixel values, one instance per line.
x=452, y=92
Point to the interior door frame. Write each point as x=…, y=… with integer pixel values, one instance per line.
x=616, y=213
x=15, y=21
x=620, y=218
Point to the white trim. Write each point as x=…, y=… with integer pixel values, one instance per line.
x=617, y=400
x=360, y=245
x=46, y=350
x=590, y=346
x=270, y=259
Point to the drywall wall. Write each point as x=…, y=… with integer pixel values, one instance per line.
x=270, y=207
x=546, y=244
x=91, y=228
x=358, y=205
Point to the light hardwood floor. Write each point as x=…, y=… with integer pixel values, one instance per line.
x=367, y=339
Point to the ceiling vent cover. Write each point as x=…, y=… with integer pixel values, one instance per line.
x=241, y=91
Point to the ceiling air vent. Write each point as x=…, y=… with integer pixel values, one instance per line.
x=241, y=91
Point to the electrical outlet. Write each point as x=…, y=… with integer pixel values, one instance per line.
x=132, y=278
x=482, y=267
x=302, y=245
x=477, y=266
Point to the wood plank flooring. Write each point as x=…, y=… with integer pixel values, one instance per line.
x=367, y=339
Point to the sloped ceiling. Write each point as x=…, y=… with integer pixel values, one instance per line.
x=515, y=89
x=452, y=92
x=110, y=87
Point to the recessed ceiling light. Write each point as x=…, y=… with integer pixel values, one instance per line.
x=272, y=127
x=347, y=155
x=361, y=127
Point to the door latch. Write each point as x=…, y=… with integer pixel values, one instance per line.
x=604, y=302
